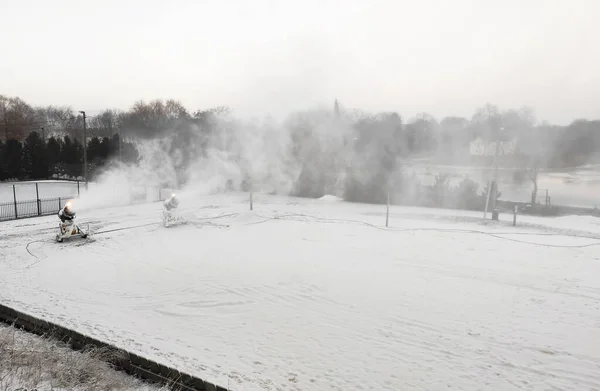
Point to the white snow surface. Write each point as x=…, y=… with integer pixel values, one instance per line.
x=306, y=295
x=26, y=191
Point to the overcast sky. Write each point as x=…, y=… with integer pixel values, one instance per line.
x=267, y=56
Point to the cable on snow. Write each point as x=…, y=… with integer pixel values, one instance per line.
x=295, y=217
x=497, y=235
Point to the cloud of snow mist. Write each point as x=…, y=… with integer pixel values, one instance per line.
x=242, y=156
x=120, y=184
x=310, y=149
x=266, y=155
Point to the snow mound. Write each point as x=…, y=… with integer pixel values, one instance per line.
x=330, y=198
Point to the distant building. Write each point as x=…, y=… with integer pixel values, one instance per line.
x=481, y=147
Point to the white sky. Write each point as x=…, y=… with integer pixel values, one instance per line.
x=266, y=56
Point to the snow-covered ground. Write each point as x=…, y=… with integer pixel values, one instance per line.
x=26, y=191
x=319, y=295
x=55, y=194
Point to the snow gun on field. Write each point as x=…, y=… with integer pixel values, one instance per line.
x=169, y=214
x=67, y=227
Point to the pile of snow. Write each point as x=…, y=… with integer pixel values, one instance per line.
x=331, y=198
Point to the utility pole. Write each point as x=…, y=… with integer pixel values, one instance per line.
x=85, y=176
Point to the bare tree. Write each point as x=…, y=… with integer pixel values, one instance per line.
x=17, y=117
x=4, y=103
x=106, y=123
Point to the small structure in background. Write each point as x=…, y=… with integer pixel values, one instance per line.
x=481, y=147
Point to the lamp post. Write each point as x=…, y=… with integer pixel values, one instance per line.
x=85, y=177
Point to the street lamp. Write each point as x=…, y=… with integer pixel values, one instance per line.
x=85, y=177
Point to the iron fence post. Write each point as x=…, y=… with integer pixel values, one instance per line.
x=37, y=197
x=15, y=198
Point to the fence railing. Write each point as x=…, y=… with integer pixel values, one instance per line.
x=32, y=208
x=35, y=206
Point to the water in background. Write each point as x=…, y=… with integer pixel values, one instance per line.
x=578, y=187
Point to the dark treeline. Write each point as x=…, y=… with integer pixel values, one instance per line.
x=59, y=157
x=365, y=155
x=37, y=142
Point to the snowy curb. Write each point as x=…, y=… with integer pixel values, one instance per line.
x=128, y=362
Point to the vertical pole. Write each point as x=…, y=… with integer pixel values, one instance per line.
x=37, y=197
x=85, y=176
x=487, y=199
x=120, y=153
x=387, y=210
x=251, y=201
x=516, y=210
x=495, y=187
x=15, y=198
x=547, y=199
x=78, y=192
x=59, y=203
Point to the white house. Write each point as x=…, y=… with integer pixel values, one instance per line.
x=480, y=147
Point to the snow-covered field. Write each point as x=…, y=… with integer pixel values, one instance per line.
x=319, y=295
x=54, y=195
x=26, y=191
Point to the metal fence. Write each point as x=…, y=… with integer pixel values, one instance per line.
x=32, y=208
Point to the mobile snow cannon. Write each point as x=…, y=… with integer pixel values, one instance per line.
x=169, y=214
x=67, y=227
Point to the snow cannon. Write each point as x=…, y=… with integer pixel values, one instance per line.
x=169, y=214
x=67, y=227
